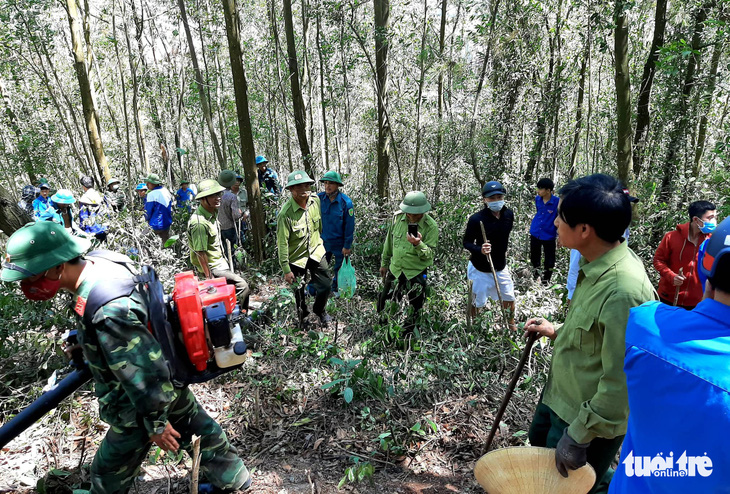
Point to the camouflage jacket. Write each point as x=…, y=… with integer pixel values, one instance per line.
x=131, y=377
x=116, y=200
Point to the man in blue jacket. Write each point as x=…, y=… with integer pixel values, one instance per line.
x=338, y=222
x=158, y=207
x=543, y=231
x=678, y=381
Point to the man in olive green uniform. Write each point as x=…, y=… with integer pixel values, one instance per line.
x=406, y=257
x=132, y=380
x=204, y=240
x=300, y=245
x=584, y=407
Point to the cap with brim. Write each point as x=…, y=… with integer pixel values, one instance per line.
x=415, y=202
x=63, y=196
x=517, y=470
x=44, y=186
x=632, y=199
x=298, y=177
x=332, y=176
x=493, y=188
x=209, y=187
x=141, y=187
x=38, y=247
x=183, y=182
x=152, y=178
x=113, y=181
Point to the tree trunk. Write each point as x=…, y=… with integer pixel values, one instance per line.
x=623, y=94
x=421, y=80
x=248, y=155
x=22, y=146
x=300, y=117
x=643, y=116
x=11, y=216
x=705, y=105
x=678, y=134
x=87, y=101
x=201, y=88
x=138, y=130
x=382, y=15
x=322, y=101
x=440, y=99
x=579, y=106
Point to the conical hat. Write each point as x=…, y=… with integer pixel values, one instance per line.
x=529, y=470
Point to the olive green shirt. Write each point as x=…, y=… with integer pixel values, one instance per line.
x=586, y=385
x=298, y=233
x=401, y=256
x=204, y=236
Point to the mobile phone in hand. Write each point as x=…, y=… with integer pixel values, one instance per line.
x=413, y=229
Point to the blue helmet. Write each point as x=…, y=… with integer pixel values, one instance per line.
x=141, y=187
x=717, y=246
x=260, y=160
x=63, y=196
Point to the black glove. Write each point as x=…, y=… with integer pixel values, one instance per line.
x=569, y=454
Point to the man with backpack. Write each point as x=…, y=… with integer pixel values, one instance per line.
x=133, y=384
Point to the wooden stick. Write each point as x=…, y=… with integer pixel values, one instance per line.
x=510, y=389
x=676, y=291
x=196, y=465
x=496, y=281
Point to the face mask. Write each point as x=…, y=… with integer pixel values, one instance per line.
x=40, y=289
x=115, y=188
x=708, y=227
x=495, y=206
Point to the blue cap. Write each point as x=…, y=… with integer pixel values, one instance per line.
x=261, y=159
x=492, y=189
x=141, y=187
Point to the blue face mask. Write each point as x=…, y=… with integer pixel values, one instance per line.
x=495, y=206
x=708, y=227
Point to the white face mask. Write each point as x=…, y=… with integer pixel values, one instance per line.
x=495, y=206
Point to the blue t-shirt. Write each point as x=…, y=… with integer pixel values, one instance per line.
x=678, y=379
x=184, y=198
x=543, y=224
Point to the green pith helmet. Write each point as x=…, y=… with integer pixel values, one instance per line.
x=415, y=203
x=152, y=178
x=38, y=247
x=183, y=182
x=208, y=188
x=113, y=181
x=63, y=196
x=331, y=176
x=227, y=178
x=298, y=177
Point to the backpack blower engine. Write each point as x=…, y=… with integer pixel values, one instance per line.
x=207, y=317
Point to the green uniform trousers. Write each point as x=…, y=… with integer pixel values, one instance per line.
x=121, y=453
x=547, y=429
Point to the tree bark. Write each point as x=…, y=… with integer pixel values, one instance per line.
x=579, y=106
x=201, y=88
x=421, y=80
x=248, y=155
x=440, y=98
x=382, y=20
x=643, y=115
x=300, y=117
x=21, y=145
x=705, y=105
x=623, y=94
x=11, y=216
x=87, y=101
x=322, y=101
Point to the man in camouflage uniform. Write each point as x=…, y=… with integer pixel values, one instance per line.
x=300, y=245
x=115, y=197
x=132, y=380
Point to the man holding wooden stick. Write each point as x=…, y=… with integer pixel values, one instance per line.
x=584, y=407
x=486, y=238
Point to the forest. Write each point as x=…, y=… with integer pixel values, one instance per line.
x=439, y=96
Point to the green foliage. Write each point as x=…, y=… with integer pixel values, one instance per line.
x=361, y=470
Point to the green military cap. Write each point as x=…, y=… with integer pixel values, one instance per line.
x=331, y=176
x=227, y=178
x=298, y=177
x=184, y=181
x=415, y=202
x=152, y=178
x=208, y=188
x=38, y=247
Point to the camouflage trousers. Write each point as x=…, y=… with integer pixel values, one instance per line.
x=119, y=458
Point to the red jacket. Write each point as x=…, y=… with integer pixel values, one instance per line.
x=676, y=251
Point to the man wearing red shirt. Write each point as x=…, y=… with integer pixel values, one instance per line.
x=678, y=250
